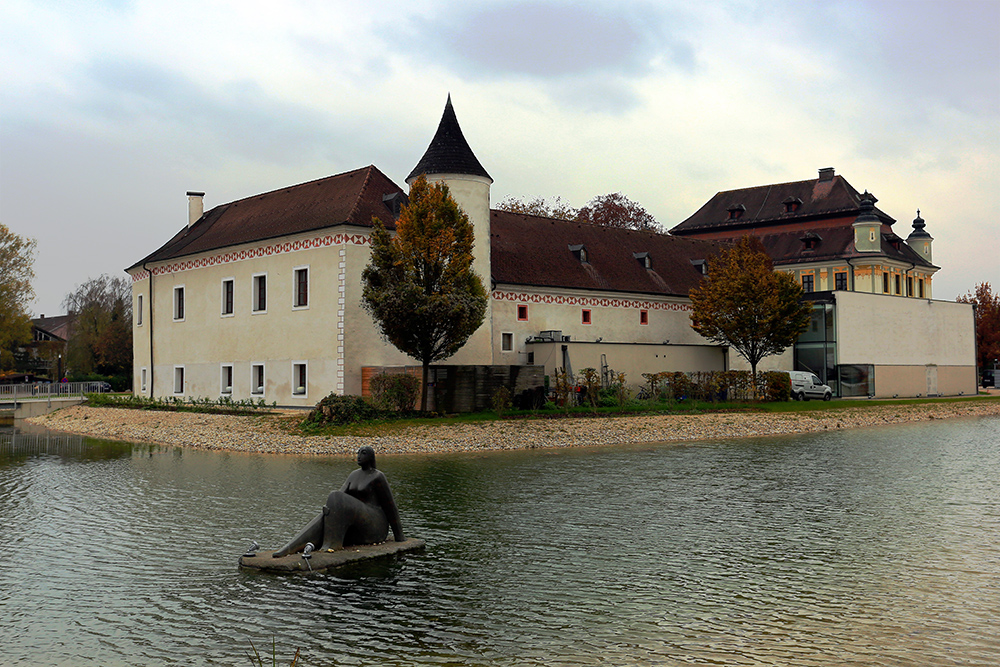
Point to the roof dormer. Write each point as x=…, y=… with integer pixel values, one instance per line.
x=810, y=240
x=580, y=252
x=644, y=259
x=736, y=211
x=792, y=204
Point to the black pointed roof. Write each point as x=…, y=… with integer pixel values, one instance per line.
x=449, y=152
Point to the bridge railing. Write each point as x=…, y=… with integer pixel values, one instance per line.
x=21, y=392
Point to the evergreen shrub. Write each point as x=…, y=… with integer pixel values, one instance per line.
x=396, y=392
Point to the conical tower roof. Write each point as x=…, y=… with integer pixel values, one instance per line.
x=449, y=152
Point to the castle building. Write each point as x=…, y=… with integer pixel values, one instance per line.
x=876, y=330
x=260, y=298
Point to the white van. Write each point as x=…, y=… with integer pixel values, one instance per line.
x=806, y=385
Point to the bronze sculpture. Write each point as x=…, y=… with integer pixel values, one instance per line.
x=361, y=512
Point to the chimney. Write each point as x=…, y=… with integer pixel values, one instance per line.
x=826, y=174
x=196, y=206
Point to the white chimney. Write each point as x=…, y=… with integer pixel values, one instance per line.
x=196, y=206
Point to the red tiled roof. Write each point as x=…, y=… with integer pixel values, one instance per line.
x=351, y=198
x=530, y=250
x=833, y=244
x=764, y=204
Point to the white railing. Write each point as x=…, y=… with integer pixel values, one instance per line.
x=21, y=392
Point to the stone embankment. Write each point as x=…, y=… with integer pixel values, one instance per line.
x=272, y=434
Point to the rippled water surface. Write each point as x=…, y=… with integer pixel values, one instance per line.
x=866, y=547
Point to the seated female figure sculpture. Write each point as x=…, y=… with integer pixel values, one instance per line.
x=361, y=512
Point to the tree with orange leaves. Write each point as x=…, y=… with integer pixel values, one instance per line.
x=419, y=285
x=987, y=324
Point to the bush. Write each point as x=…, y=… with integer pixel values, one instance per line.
x=397, y=392
x=777, y=386
x=501, y=400
x=337, y=409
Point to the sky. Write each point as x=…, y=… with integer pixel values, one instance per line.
x=110, y=111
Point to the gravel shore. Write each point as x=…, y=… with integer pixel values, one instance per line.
x=271, y=433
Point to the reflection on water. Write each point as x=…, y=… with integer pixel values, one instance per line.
x=868, y=547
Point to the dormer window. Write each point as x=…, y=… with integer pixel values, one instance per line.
x=736, y=211
x=792, y=204
x=700, y=266
x=580, y=252
x=394, y=201
x=810, y=241
x=644, y=259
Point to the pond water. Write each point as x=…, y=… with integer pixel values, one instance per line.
x=865, y=547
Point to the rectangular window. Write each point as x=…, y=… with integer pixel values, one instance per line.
x=226, y=381
x=299, y=379
x=228, y=296
x=586, y=316
x=301, y=287
x=522, y=313
x=179, y=303
x=138, y=311
x=898, y=284
x=260, y=293
x=885, y=283
x=257, y=379
x=178, y=379
x=506, y=342
x=807, y=283
x=643, y=317
x=841, y=280
x=142, y=380
x=920, y=287
x=909, y=286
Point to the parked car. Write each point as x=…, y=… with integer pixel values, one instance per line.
x=806, y=385
x=989, y=378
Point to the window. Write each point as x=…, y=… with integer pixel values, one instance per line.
x=257, y=379
x=138, y=311
x=260, y=293
x=807, y=283
x=299, y=378
x=586, y=316
x=228, y=296
x=179, y=303
x=898, y=284
x=506, y=342
x=643, y=317
x=885, y=282
x=178, y=379
x=226, y=381
x=909, y=286
x=522, y=313
x=841, y=280
x=644, y=259
x=920, y=287
x=871, y=235
x=301, y=287
x=579, y=251
x=142, y=380
x=736, y=211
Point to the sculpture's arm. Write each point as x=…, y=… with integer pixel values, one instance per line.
x=384, y=494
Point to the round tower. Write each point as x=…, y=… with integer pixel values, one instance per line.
x=919, y=239
x=449, y=160
x=867, y=226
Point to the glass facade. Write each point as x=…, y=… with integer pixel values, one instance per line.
x=816, y=349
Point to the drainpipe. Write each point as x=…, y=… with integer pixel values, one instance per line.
x=151, y=364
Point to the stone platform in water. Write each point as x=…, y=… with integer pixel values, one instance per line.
x=262, y=561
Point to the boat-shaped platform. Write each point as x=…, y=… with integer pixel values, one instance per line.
x=263, y=561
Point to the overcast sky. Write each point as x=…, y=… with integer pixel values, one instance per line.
x=110, y=111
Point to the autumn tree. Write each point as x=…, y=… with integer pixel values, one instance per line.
x=101, y=341
x=539, y=206
x=617, y=210
x=419, y=285
x=987, y=323
x=745, y=304
x=17, y=255
x=610, y=210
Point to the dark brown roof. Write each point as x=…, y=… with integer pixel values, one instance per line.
x=765, y=206
x=58, y=326
x=530, y=250
x=449, y=152
x=833, y=244
x=351, y=198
